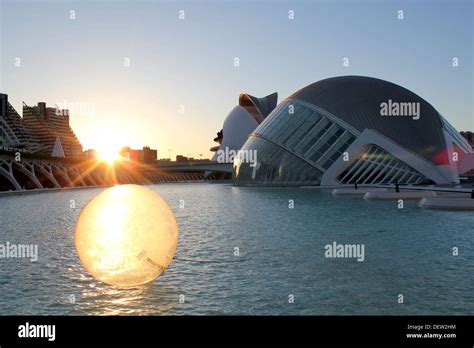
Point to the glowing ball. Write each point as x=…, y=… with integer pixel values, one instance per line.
x=126, y=235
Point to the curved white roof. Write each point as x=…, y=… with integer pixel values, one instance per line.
x=237, y=126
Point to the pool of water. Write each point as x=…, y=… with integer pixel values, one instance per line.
x=245, y=250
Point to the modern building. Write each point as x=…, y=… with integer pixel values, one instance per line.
x=353, y=129
x=242, y=120
x=42, y=130
x=13, y=133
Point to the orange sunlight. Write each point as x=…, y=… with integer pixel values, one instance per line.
x=108, y=153
x=108, y=145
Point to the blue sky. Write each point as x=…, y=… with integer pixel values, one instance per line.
x=189, y=62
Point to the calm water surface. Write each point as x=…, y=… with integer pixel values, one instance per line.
x=281, y=252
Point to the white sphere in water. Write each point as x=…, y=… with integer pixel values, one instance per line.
x=126, y=235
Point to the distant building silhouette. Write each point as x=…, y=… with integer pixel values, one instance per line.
x=181, y=158
x=469, y=136
x=146, y=155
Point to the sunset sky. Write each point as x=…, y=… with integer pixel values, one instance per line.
x=82, y=61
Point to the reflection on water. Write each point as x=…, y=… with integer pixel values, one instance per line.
x=100, y=299
x=280, y=252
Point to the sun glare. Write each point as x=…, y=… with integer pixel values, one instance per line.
x=108, y=145
x=109, y=154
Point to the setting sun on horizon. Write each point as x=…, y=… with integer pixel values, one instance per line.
x=108, y=143
x=108, y=154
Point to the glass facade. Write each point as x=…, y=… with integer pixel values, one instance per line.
x=274, y=166
x=294, y=145
x=377, y=166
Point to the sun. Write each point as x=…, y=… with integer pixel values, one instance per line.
x=108, y=154
x=108, y=145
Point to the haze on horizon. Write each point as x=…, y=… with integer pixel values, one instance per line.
x=181, y=81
